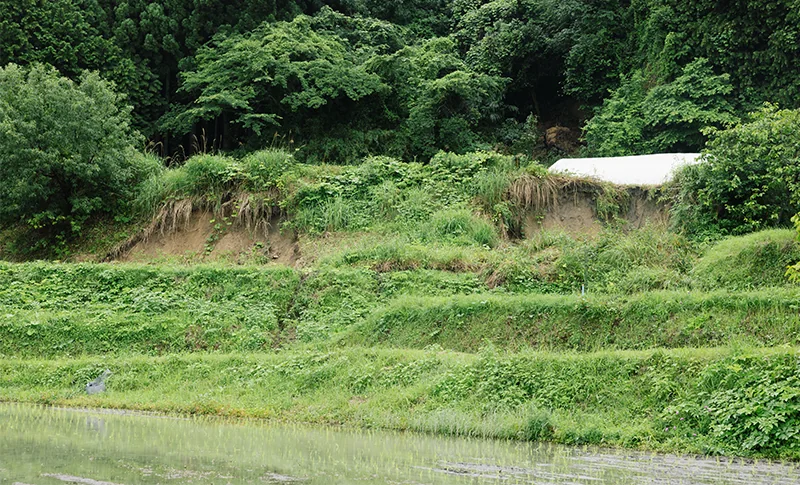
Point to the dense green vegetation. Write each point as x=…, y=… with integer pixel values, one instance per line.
x=418, y=75
x=67, y=151
x=390, y=336
x=399, y=148
x=741, y=402
x=341, y=82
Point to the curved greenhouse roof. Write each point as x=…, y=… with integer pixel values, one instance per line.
x=634, y=170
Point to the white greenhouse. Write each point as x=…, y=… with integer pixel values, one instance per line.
x=634, y=170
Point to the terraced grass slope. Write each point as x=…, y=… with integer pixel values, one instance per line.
x=448, y=297
x=364, y=342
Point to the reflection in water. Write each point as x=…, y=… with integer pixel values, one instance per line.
x=42, y=446
x=95, y=424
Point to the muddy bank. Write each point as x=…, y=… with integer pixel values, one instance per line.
x=584, y=211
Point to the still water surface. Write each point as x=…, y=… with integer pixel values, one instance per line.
x=45, y=446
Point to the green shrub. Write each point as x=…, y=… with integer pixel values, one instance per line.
x=615, y=258
x=66, y=149
x=743, y=403
x=539, y=426
x=642, y=278
x=210, y=174
x=755, y=260
x=460, y=226
x=749, y=180
x=416, y=205
x=639, y=119
x=490, y=187
x=263, y=168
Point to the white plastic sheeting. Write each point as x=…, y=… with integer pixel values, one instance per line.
x=635, y=170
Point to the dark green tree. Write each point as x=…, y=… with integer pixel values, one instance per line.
x=750, y=179
x=441, y=103
x=66, y=149
x=277, y=76
x=638, y=120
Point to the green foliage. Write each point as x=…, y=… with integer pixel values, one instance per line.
x=459, y=226
x=208, y=174
x=639, y=119
x=744, y=403
x=793, y=271
x=748, y=40
x=264, y=168
x=610, y=398
x=646, y=259
x=91, y=309
x=67, y=34
x=748, y=180
x=755, y=260
x=539, y=44
x=66, y=150
x=350, y=79
x=383, y=189
x=443, y=103
x=212, y=177
x=464, y=323
x=332, y=300
x=283, y=72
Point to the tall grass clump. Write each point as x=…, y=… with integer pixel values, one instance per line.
x=154, y=191
x=200, y=176
x=755, y=260
x=336, y=214
x=210, y=174
x=650, y=258
x=534, y=189
x=263, y=169
x=459, y=226
x=490, y=187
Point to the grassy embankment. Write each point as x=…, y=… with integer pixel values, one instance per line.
x=437, y=322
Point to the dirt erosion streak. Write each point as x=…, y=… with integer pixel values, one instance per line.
x=197, y=232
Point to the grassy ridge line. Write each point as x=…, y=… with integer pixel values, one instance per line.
x=62, y=309
x=594, y=322
x=250, y=310
x=743, y=402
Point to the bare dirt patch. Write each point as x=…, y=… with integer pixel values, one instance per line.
x=576, y=214
x=201, y=238
x=185, y=240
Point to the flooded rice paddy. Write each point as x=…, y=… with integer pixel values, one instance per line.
x=46, y=446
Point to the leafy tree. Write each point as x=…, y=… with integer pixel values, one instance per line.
x=426, y=18
x=543, y=45
x=278, y=75
x=753, y=41
x=161, y=38
x=667, y=117
x=301, y=76
x=68, y=34
x=750, y=179
x=66, y=149
x=440, y=101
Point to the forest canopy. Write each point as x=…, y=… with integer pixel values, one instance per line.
x=99, y=95
x=349, y=78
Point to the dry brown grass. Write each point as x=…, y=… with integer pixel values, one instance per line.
x=542, y=193
x=529, y=191
x=252, y=212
